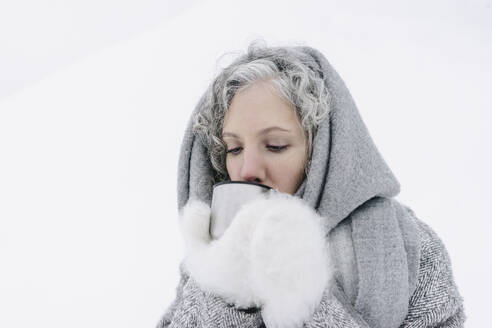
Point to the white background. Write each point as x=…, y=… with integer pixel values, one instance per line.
x=95, y=95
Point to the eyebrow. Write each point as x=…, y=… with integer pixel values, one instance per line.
x=262, y=132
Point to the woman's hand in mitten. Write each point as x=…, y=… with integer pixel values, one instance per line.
x=273, y=255
x=290, y=265
x=223, y=266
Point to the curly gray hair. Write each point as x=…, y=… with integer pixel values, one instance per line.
x=292, y=73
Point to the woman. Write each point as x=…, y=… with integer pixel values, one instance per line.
x=333, y=248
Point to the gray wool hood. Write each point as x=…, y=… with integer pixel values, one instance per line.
x=348, y=180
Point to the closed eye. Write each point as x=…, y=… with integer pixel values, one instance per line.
x=234, y=151
x=277, y=149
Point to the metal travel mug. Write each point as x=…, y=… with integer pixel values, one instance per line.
x=227, y=199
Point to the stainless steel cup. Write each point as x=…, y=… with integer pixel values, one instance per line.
x=227, y=199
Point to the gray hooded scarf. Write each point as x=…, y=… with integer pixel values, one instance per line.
x=349, y=184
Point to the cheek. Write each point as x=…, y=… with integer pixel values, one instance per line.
x=287, y=173
x=296, y=160
x=286, y=169
x=232, y=168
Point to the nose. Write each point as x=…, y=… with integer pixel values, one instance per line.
x=253, y=167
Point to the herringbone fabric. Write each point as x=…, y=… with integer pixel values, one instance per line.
x=436, y=301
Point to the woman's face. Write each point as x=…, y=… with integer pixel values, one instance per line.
x=265, y=140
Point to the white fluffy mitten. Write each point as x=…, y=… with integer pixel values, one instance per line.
x=290, y=260
x=273, y=255
x=220, y=266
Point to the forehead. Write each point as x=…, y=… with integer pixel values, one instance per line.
x=258, y=107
